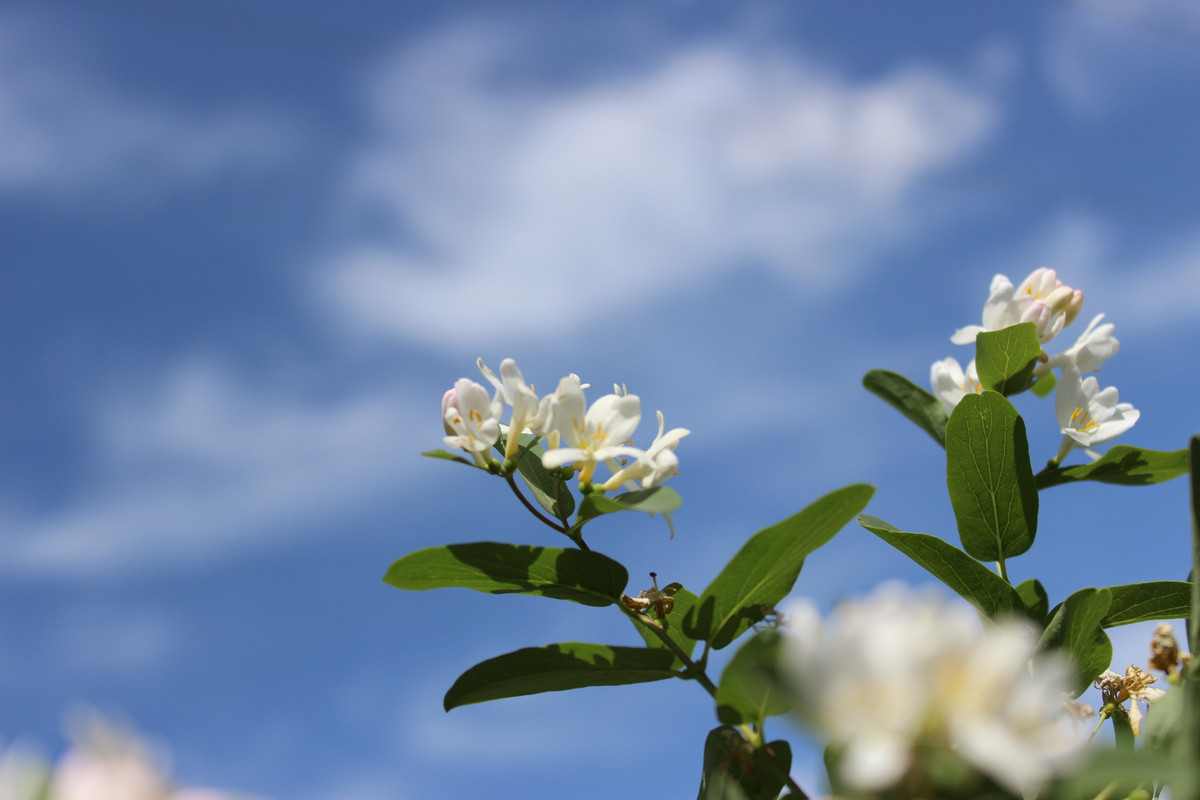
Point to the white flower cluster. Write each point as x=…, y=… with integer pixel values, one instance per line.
x=899, y=670
x=106, y=763
x=575, y=433
x=1086, y=414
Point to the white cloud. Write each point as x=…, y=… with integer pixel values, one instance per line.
x=1108, y=56
x=579, y=200
x=68, y=131
x=206, y=465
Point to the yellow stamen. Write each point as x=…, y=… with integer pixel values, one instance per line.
x=1082, y=422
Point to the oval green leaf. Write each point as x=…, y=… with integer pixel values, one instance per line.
x=657, y=500
x=549, y=490
x=765, y=569
x=748, y=692
x=581, y=576
x=990, y=481
x=1075, y=628
x=1034, y=598
x=736, y=770
x=1005, y=359
x=971, y=580
x=556, y=668
x=1145, y=602
x=910, y=400
x=1122, y=465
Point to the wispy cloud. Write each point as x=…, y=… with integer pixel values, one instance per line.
x=205, y=463
x=70, y=132
x=577, y=199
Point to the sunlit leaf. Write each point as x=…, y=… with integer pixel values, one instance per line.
x=580, y=576
x=555, y=668
x=1122, y=465
x=735, y=770
x=910, y=400
x=658, y=500
x=970, y=579
x=991, y=483
x=764, y=570
x=1075, y=628
x=1143, y=602
x=1005, y=359
x=442, y=454
x=748, y=692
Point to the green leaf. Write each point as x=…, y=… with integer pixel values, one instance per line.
x=971, y=580
x=442, y=454
x=990, y=481
x=672, y=623
x=748, y=692
x=1034, y=598
x=1074, y=627
x=1122, y=465
x=1044, y=385
x=550, y=492
x=1142, y=602
x=1006, y=358
x=735, y=770
x=658, y=500
x=764, y=570
x=555, y=668
x=581, y=576
x=910, y=400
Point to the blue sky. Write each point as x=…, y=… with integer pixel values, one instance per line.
x=248, y=245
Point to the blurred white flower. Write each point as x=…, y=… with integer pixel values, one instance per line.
x=106, y=762
x=1093, y=347
x=901, y=669
x=472, y=420
x=951, y=383
x=1088, y=415
x=588, y=439
x=1041, y=299
x=23, y=775
x=528, y=414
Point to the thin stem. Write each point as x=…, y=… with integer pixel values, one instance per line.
x=696, y=671
x=525, y=502
x=1003, y=571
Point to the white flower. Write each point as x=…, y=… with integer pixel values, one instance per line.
x=901, y=669
x=951, y=383
x=1087, y=415
x=652, y=466
x=472, y=420
x=112, y=763
x=527, y=413
x=1093, y=347
x=1041, y=299
x=588, y=439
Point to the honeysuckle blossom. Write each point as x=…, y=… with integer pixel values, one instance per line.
x=528, y=414
x=653, y=465
x=1093, y=347
x=951, y=383
x=471, y=418
x=587, y=439
x=1041, y=299
x=900, y=670
x=1088, y=415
